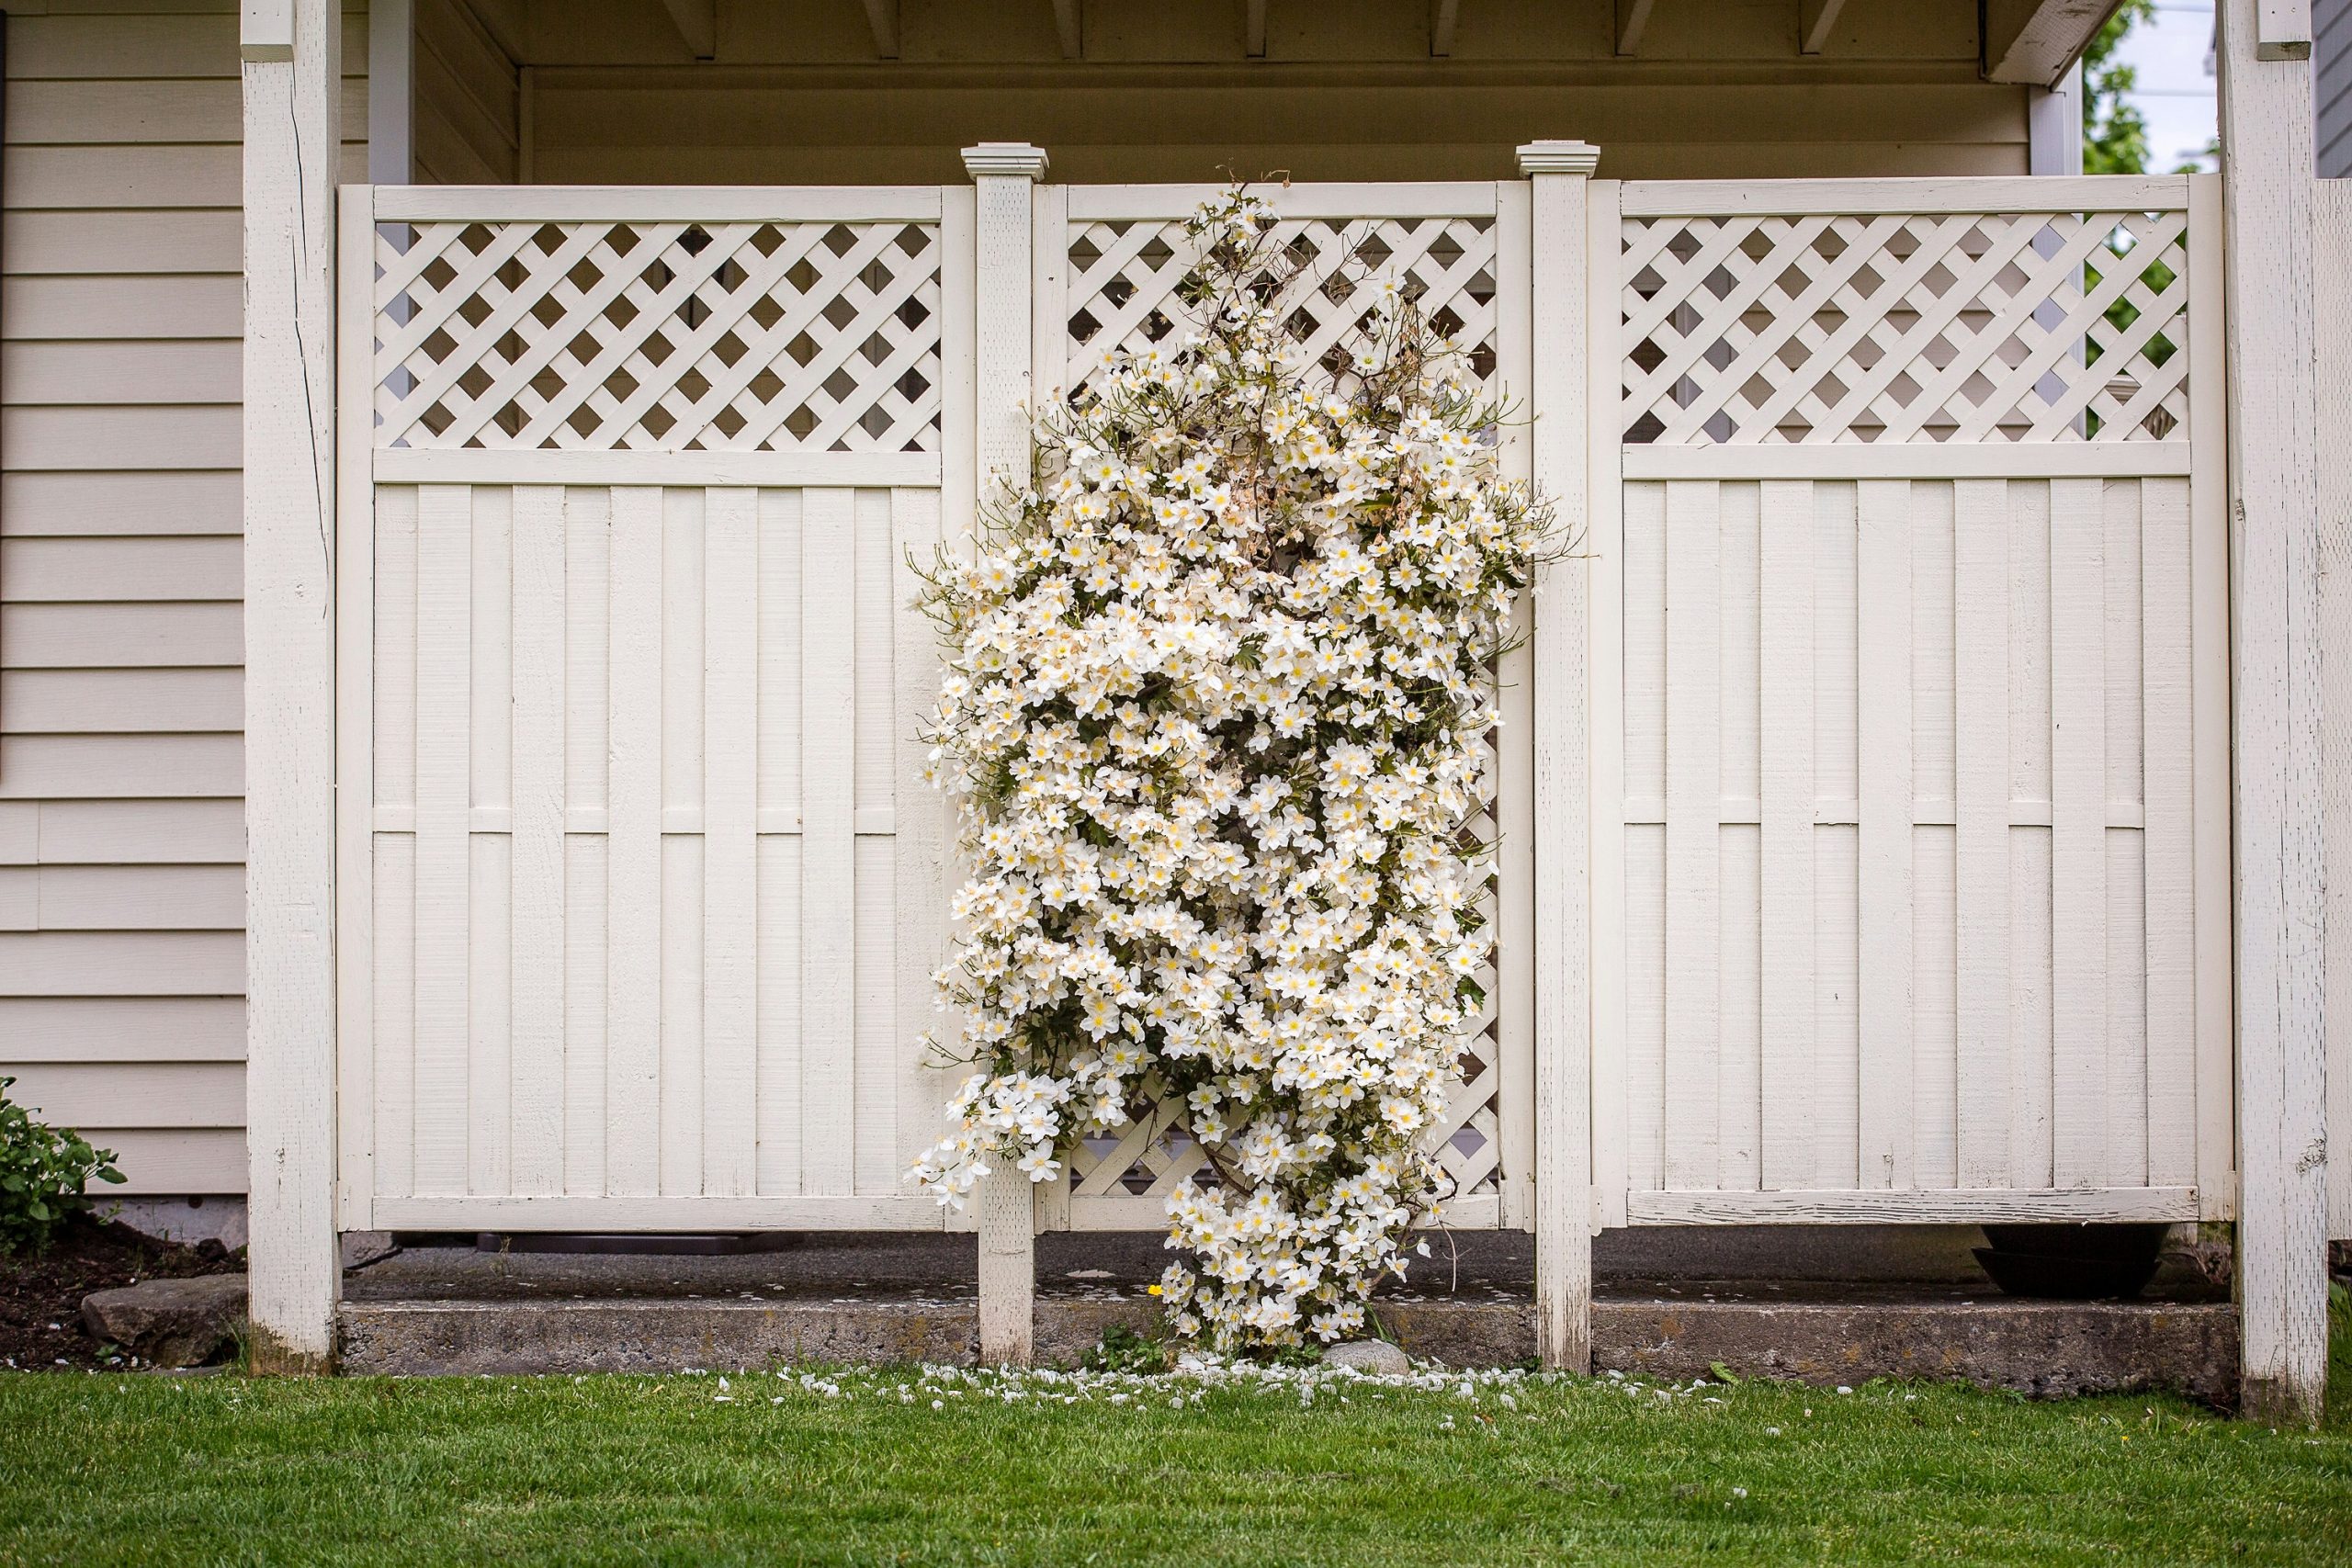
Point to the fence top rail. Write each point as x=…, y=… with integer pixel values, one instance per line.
x=1793, y=199
x=640, y=204
x=1429, y=199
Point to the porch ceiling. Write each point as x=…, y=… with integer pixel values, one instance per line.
x=2006, y=41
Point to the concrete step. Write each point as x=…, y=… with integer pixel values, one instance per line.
x=2039, y=1347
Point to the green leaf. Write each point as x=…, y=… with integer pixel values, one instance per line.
x=1725, y=1374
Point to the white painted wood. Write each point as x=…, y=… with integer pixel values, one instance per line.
x=1559, y=319
x=1605, y=610
x=1982, y=829
x=1005, y=177
x=829, y=888
x=644, y=204
x=2031, y=901
x=926, y=823
x=536, y=985
x=2050, y=193
x=569, y=1212
x=1693, y=783
x=633, y=869
x=730, y=675
x=1514, y=807
x=291, y=132
x=1925, y=461
x=2281, y=903
x=2078, y=835
x=2282, y=29
x=1883, y=637
x=355, y=728
x=1786, y=818
x=2210, y=702
x=443, y=837
x=679, y=1070
x=1915, y=1207
x=2331, y=249
x=877, y=1164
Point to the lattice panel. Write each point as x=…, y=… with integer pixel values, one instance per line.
x=659, y=336
x=1974, y=327
x=1124, y=278
x=1154, y=1157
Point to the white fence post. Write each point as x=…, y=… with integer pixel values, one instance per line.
x=2267, y=166
x=1561, y=172
x=1006, y=174
x=292, y=91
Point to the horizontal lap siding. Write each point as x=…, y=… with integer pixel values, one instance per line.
x=121, y=638
x=643, y=922
x=1953, y=720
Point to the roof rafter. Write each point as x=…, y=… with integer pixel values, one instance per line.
x=698, y=25
x=1815, y=20
x=1633, y=21
x=1253, y=29
x=1069, y=21
x=882, y=16
x=1443, y=14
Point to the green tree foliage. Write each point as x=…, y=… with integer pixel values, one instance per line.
x=2115, y=135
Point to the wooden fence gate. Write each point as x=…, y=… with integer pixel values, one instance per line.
x=1862, y=799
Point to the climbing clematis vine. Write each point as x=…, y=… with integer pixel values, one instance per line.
x=1216, y=692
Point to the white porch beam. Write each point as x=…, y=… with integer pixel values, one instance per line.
x=1815, y=20
x=1069, y=24
x=2283, y=29
x=1561, y=331
x=696, y=22
x=2033, y=41
x=391, y=92
x=2265, y=124
x=1005, y=177
x=1443, y=16
x=882, y=16
x=1253, y=29
x=292, y=87
x=1633, y=21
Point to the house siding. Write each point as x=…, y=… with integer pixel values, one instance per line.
x=121, y=826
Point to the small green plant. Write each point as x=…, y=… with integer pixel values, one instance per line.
x=1124, y=1350
x=44, y=1172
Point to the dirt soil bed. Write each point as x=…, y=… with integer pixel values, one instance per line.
x=41, y=1298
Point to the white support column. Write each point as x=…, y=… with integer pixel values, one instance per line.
x=1005, y=174
x=2266, y=154
x=293, y=51
x=1561, y=172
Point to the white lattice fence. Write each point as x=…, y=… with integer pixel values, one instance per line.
x=1890, y=327
x=686, y=333
x=1113, y=264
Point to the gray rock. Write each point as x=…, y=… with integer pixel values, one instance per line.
x=170, y=1323
x=1374, y=1358
x=362, y=1248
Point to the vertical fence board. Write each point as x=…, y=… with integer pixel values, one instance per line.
x=924, y=822
x=490, y=707
x=1934, y=854
x=394, y=933
x=1980, y=831
x=1644, y=555
x=731, y=673
x=1837, y=1064
x=2029, y=847
x=2078, y=833
x=829, y=889
x=1882, y=640
x=536, y=914
x=2126, y=1160
x=634, y=959
x=779, y=1066
x=1784, y=628
x=2168, y=844
x=587, y=618
x=879, y=1162
x=1738, y=1099
x=444, y=833
x=1693, y=814
x=681, y=774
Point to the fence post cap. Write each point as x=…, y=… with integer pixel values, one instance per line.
x=1021, y=158
x=1558, y=158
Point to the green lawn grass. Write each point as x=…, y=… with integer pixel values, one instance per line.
x=137, y=1470
x=128, y=1469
